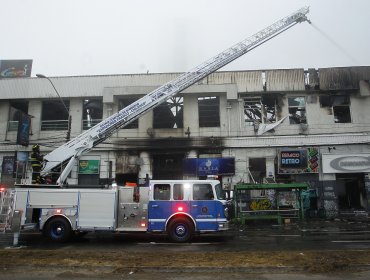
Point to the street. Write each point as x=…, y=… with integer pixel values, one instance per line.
x=308, y=251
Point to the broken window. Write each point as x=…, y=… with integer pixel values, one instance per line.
x=15, y=113
x=259, y=109
x=340, y=105
x=54, y=115
x=209, y=111
x=297, y=110
x=92, y=112
x=169, y=114
x=124, y=102
x=341, y=109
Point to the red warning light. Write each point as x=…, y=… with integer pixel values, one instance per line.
x=180, y=209
x=143, y=225
x=58, y=211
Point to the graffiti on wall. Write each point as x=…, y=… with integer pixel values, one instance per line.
x=287, y=199
x=260, y=204
x=331, y=209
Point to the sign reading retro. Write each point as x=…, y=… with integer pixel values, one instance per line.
x=351, y=163
x=296, y=161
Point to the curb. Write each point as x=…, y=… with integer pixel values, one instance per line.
x=93, y=270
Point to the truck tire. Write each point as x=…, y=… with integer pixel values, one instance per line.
x=180, y=230
x=58, y=229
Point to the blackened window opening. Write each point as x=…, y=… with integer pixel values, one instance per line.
x=259, y=109
x=169, y=114
x=54, y=115
x=209, y=111
x=92, y=112
x=17, y=108
x=297, y=110
x=123, y=103
x=340, y=105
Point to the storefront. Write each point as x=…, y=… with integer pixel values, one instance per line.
x=352, y=184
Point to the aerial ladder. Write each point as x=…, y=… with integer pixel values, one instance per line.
x=68, y=154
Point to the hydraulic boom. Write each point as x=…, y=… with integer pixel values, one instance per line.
x=72, y=150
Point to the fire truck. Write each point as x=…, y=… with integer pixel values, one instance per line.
x=179, y=208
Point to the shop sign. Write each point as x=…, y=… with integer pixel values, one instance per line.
x=15, y=68
x=296, y=161
x=8, y=165
x=352, y=163
x=209, y=166
x=24, y=124
x=88, y=166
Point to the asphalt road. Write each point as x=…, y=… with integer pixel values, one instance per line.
x=321, y=235
x=330, y=249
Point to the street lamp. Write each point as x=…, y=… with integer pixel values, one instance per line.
x=69, y=116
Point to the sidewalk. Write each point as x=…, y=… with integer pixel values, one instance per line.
x=309, y=226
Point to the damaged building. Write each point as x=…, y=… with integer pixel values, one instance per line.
x=281, y=125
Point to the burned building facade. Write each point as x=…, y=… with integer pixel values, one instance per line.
x=282, y=125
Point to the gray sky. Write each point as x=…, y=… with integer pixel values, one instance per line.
x=98, y=37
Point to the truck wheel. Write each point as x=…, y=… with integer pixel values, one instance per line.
x=58, y=229
x=180, y=230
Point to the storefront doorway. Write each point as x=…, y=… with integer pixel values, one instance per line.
x=257, y=168
x=123, y=178
x=168, y=166
x=351, y=191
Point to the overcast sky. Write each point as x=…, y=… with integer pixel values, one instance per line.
x=99, y=37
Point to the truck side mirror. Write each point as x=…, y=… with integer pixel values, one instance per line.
x=230, y=195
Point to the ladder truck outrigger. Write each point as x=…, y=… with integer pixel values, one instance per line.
x=179, y=208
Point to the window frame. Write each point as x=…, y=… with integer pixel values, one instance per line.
x=204, y=117
x=295, y=118
x=168, y=191
x=197, y=198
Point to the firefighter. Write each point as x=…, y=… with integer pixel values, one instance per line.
x=36, y=160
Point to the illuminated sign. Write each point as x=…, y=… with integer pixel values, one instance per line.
x=15, y=68
x=209, y=166
x=88, y=166
x=296, y=161
x=351, y=163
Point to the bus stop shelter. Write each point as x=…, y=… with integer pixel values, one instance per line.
x=271, y=201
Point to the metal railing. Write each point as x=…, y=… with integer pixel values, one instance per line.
x=87, y=124
x=13, y=125
x=54, y=125
x=24, y=174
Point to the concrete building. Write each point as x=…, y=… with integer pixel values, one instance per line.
x=288, y=125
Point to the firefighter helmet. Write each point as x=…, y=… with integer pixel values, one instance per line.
x=35, y=147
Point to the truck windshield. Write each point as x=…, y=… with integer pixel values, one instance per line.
x=221, y=194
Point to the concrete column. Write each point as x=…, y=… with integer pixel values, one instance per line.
x=34, y=109
x=145, y=166
x=4, y=115
x=191, y=115
x=270, y=167
x=75, y=109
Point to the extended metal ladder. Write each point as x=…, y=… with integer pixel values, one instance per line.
x=71, y=151
x=6, y=209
